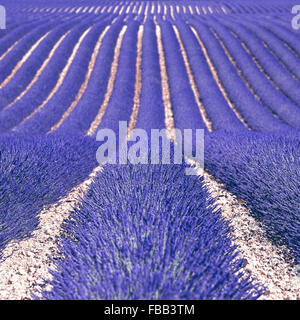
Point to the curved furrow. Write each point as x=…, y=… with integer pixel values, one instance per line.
x=253, y=113
x=271, y=68
x=87, y=77
x=216, y=77
x=26, y=26
x=216, y=106
x=121, y=103
x=22, y=51
x=36, y=98
x=150, y=113
x=166, y=98
x=26, y=124
x=85, y=111
x=54, y=111
x=39, y=71
x=283, y=21
x=287, y=58
x=11, y=39
x=24, y=76
x=12, y=26
x=186, y=112
x=280, y=29
x=110, y=85
x=288, y=38
x=260, y=87
x=138, y=79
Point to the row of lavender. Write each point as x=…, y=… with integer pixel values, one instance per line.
x=245, y=79
x=251, y=73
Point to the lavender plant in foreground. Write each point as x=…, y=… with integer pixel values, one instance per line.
x=34, y=172
x=264, y=170
x=148, y=232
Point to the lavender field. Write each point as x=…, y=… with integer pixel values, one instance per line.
x=73, y=229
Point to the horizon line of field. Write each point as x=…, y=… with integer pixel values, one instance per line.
x=162, y=7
